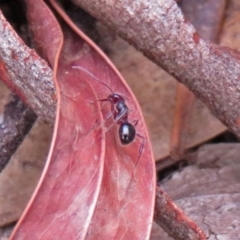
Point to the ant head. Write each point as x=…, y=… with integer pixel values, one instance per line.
x=115, y=98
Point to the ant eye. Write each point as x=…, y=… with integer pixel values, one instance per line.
x=127, y=133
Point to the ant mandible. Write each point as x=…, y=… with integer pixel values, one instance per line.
x=119, y=111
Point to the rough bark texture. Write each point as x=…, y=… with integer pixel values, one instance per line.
x=208, y=192
x=26, y=73
x=15, y=123
x=173, y=221
x=160, y=31
x=206, y=16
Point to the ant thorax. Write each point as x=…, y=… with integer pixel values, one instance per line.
x=120, y=112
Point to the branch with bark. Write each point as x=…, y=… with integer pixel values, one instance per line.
x=15, y=122
x=161, y=32
x=28, y=75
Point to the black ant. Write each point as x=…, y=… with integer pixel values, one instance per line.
x=120, y=110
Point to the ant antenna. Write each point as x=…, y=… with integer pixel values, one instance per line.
x=90, y=74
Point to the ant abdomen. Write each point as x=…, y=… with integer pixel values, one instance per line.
x=127, y=133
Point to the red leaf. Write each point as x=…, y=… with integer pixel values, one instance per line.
x=92, y=186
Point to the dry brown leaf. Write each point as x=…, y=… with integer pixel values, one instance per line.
x=209, y=191
x=230, y=36
x=20, y=177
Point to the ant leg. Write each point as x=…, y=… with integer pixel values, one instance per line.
x=110, y=125
x=135, y=122
x=110, y=115
x=141, y=146
x=98, y=100
x=102, y=100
